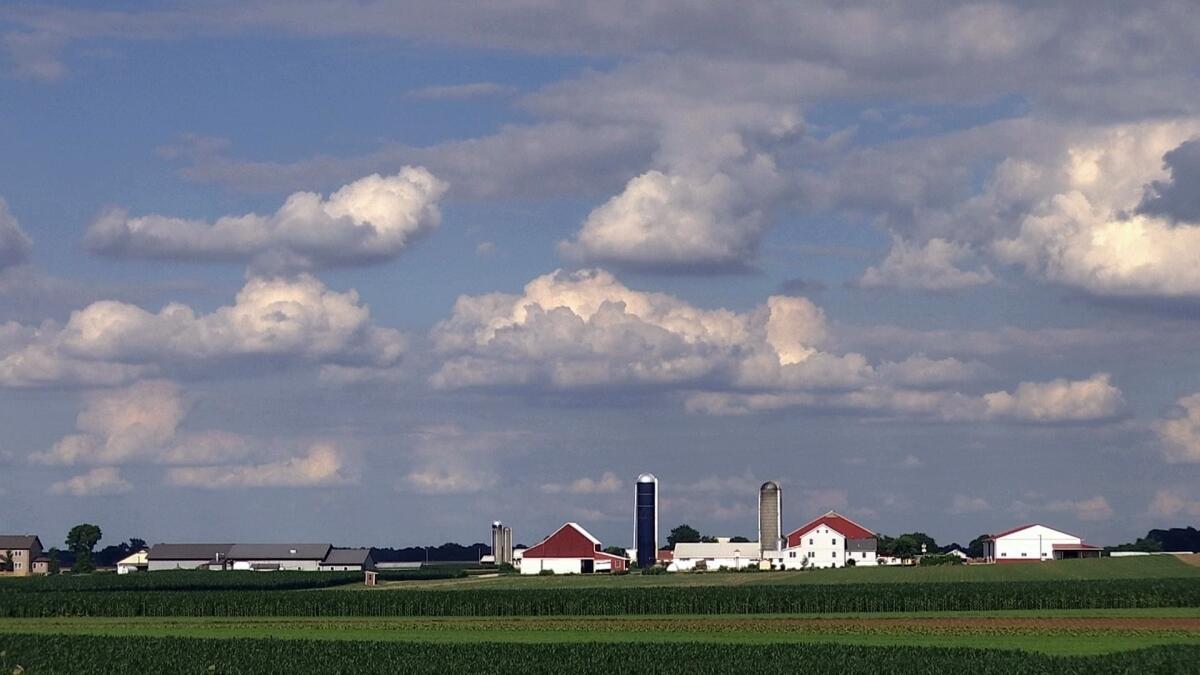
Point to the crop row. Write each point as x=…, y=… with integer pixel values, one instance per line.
x=1116, y=594
x=97, y=654
x=203, y=580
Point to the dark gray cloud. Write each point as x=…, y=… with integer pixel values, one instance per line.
x=1178, y=197
x=14, y=243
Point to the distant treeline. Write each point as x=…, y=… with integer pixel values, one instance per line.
x=448, y=552
x=1174, y=539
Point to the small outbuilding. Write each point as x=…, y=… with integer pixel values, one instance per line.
x=570, y=550
x=135, y=562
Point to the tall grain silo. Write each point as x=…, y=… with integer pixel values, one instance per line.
x=770, y=506
x=645, y=517
x=501, y=543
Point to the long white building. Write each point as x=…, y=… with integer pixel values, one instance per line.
x=715, y=555
x=1034, y=543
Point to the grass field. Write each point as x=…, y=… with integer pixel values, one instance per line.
x=1151, y=567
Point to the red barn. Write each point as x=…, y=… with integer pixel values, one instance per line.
x=570, y=550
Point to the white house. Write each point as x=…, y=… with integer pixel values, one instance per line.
x=828, y=541
x=1034, y=543
x=714, y=555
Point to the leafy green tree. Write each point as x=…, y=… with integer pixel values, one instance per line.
x=54, y=566
x=81, y=540
x=975, y=548
x=739, y=540
x=615, y=550
x=684, y=534
x=6, y=563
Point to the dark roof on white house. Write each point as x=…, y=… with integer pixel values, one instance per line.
x=10, y=542
x=279, y=551
x=188, y=551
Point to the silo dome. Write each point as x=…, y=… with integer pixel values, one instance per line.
x=769, y=485
x=646, y=478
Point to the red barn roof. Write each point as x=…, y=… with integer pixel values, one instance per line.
x=568, y=541
x=834, y=521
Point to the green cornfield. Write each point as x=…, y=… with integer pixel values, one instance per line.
x=203, y=580
x=1092, y=594
x=93, y=654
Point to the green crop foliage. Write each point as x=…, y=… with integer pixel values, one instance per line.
x=204, y=580
x=1114, y=594
x=62, y=653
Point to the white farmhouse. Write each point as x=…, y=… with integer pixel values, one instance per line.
x=828, y=541
x=714, y=555
x=1034, y=543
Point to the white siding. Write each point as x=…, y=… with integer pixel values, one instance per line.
x=531, y=565
x=824, y=547
x=1032, y=543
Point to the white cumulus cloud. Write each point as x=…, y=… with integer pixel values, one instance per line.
x=322, y=465
x=370, y=220
x=140, y=423
x=1179, y=436
x=936, y=266
x=1087, y=233
x=1172, y=503
x=108, y=342
x=99, y=482
x=605, y=484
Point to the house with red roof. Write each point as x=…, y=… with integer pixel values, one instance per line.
x=570, y=550
x=829, y=541
x=1035, y=543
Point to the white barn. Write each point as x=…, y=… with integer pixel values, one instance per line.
x=828, y=541
x=715, y=555
x=1034, y=543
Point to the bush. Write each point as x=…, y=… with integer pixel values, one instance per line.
x=546, y=573
x=938, y=559
x=654, y=570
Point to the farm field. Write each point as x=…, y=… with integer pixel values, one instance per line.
x=1096, y=616
x=1049, y=632
x=1150, y=567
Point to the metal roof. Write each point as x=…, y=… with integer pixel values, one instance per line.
x=188, y=551
x=347, y=556
x=837, y=522
x=745, y=549
x=19, y=542
x=279, y=551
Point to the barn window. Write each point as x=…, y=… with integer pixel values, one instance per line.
x=810, y=542
x=834, y=542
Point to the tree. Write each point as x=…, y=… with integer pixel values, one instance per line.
x=615, y=550
x=975, y=548
x=54, y=566
x=81, y=540
x=6, y=563
x=739, y=540
x=684, y=534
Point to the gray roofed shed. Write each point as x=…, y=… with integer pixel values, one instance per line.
x=279, y=551
x=347, y=556
x=189, y=551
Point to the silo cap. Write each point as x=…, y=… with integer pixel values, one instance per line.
x=769, y=485
x=647, y=478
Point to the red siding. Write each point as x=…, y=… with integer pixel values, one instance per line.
x=567, y=542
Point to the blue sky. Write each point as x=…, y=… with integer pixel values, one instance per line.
x=381, y=274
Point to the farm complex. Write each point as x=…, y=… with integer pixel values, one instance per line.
x=822, y=592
